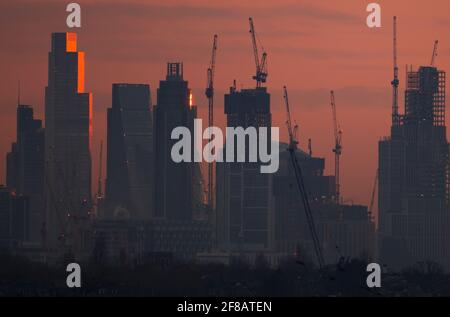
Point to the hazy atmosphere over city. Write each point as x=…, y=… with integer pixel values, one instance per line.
x=209, y=148
x=313, y=47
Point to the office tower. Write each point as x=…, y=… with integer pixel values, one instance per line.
x=413, y=176
x=68, y=132
x=291, y=226
x=174, y=182
x=25, y=167
x=130, y=152
x=245, y=219
x=14, y=219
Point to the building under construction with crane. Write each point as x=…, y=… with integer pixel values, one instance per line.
x=244, y=206
x=311, y=222
x=298, y=209
x=414, y=217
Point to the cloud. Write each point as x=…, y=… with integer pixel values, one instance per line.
x=114, y=13
x=220, y=11
x=345, y=97
x=139, y=31
x=311, y=99
x=326, y=53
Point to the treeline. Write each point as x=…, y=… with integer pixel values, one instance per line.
x=293, y=278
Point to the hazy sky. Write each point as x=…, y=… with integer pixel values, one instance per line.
x=313, y=46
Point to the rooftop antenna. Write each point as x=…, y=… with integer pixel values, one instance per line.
x=310, y=147
x=433, y=57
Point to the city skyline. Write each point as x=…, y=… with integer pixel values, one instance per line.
x=107, y=164
x=357, y=66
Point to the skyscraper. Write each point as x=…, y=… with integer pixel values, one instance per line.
x=68, y=119
x=130, y=152
x=25, y=167
x=413, y=176
x=174, y=182
x=245, y=218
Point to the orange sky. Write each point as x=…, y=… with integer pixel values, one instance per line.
x=313, y=46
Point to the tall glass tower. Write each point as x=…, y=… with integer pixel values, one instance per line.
x=68, y=120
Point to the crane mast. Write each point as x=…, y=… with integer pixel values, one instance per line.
x=301, y=184
x=395, y=82
x=261, y=64
x=296, y=128
x=337, y=150
x=209, y=92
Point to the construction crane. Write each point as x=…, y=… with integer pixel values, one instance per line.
x=435, y=50
x=209, y=92
x=292, y=141
x=395, y=82
x=337, y=150
x=301, y=184
x=372, y=197
x=261, y=63
x=296, y=128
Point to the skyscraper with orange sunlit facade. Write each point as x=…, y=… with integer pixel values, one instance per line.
x=68, y=120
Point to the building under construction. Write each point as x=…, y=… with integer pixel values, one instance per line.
x=413, y=175
x=244, y=195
